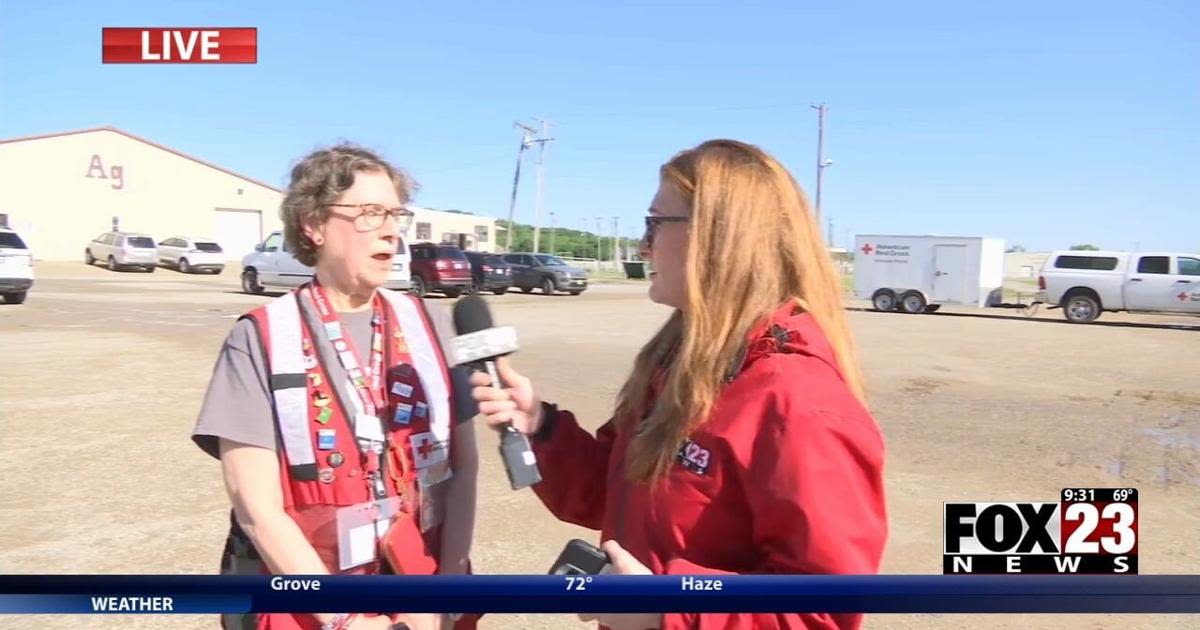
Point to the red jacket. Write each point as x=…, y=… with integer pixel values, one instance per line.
x=784, y=477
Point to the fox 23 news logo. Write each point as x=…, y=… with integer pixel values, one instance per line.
x=1090, y=530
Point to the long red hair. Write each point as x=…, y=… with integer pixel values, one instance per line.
x=753, y=246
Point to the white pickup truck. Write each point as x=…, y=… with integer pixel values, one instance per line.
x=271, y=266
x=1086, y=283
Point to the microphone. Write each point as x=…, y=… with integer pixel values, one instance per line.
x=479, y=343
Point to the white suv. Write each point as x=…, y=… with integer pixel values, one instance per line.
x=272, y=266
x=191, y=255
x=1086, y=283
x=122, y=249
x=16, y=267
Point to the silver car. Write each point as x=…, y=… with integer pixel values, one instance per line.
x=119, y=250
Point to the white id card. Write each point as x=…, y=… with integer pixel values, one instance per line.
x=434, y=474
x=433, y=500
x=359, y=528
x=368, y=427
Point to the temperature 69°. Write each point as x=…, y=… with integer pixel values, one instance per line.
x=578, y=583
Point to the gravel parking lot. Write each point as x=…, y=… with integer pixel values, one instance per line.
x=102, y=375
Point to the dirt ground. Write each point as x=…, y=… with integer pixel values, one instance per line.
x=102, y=374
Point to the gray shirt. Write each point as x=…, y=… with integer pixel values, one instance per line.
x=238, y=405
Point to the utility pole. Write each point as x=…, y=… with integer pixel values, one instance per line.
x=616, y=239
x=541, y=170
x=822, y=163
x=526, y=142
x=552, y=233
x=831, y=231
x=585, y=224
x=599, y=248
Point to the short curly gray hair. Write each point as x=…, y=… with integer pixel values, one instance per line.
x=318, y=180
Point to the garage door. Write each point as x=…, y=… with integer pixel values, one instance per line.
x=238, y=231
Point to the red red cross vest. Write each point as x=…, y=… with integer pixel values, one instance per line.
x=321, y=465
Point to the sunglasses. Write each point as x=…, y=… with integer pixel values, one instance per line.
x=652, y=223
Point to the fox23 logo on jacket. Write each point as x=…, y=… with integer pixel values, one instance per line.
x=693, y=457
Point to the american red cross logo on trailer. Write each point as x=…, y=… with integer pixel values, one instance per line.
x=867, y=249
x=1182, y=297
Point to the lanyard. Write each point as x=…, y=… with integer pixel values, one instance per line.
x=348, y=355
x=370, y=396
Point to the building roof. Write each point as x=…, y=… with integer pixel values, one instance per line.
x=149, y=142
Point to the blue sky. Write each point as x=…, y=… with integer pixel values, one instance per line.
x=1045, y=123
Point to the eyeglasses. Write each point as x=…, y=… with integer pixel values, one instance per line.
x=371, y=216
x=652, y=223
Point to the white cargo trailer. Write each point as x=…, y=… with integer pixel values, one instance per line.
x=917, y=274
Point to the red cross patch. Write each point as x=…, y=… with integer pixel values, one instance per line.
x=426, y=450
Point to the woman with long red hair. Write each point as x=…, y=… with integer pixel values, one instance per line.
x=741, y=441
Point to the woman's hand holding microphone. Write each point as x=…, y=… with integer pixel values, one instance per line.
x=510, y=402
x=514, y=402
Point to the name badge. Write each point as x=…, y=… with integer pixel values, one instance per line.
x=367, y=427
x=404, y=390
x=326, y=439
x=359, y=528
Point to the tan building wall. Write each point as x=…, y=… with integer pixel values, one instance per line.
x=437, y=226
x=60, y=191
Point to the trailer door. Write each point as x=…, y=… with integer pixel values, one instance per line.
x=950, y=273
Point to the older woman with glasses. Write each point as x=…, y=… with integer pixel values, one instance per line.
x=333, y=411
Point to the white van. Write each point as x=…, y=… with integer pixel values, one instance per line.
x=16, y=267
x=272, y=267
x=1086, y=283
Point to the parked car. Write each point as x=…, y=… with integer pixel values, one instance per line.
x=118, y=250
x=489, y=272
x=546, y=272
x=272, y=266
x=16, y=267
x=442, y=268
x=1086, y=283
x=191, y=255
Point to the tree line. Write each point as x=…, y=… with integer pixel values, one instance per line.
x=565, y=242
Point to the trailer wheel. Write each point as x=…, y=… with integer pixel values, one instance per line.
x=884, y=300
x=913, y=302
